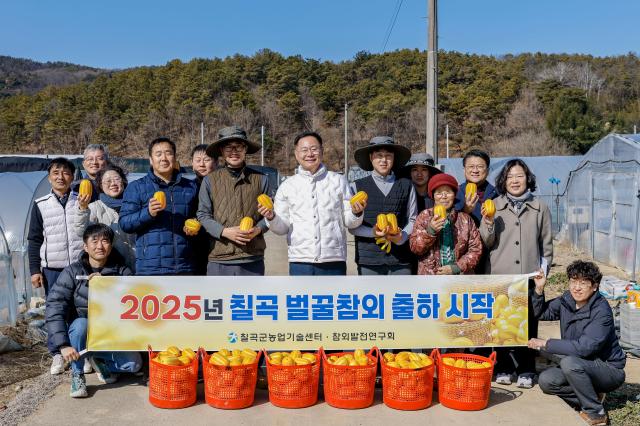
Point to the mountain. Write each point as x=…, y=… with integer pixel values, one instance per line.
x=25, y=76
x=530, y=103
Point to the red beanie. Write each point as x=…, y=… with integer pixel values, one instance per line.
x=439, y=180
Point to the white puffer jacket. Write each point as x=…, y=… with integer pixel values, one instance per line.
x=61, y=246
x=315, y=213
x=99, y=212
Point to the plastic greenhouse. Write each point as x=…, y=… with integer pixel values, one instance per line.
x=603, y=205
x=551, y=173
x=19, y=190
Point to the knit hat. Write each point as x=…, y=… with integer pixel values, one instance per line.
x=440, y=180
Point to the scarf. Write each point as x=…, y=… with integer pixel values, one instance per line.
x=447, y=246
x=518, y=202
x=114, y=203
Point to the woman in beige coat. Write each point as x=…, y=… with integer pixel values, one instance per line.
x=519, y=241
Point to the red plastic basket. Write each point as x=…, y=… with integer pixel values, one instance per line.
x=229, y=388
x=172, y=386
x=404, y=389
x=294, y=386
x=349, y=387
x=461, y=388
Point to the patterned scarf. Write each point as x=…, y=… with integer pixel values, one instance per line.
x=447, y=246
x=518, y=202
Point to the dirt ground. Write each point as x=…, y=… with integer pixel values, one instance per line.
x=18, y=369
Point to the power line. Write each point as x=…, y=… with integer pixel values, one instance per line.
x=392, y=24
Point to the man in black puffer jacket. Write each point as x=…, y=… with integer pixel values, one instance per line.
x=592, y=361
x=69, y=297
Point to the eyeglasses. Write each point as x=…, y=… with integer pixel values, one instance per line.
x=381, y=156
x=314, y=150
x=580, y=284
x=114, y=181
x=234, y=148
x=476, y=167
x=93, y=159
x=443, y=194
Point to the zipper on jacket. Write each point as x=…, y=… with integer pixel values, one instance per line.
x=173, y=211
x=66, y=231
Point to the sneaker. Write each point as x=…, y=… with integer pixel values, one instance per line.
x=503, y=379
x=102, y=371
x=78, y=386
x=57, y=364
x=525, y=382
x=87, y=368
x=598, y=420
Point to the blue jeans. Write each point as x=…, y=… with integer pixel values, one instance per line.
x=384, y=269
x=327, y=268
x=117, y=362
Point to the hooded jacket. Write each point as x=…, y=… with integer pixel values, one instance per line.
x=587, y=332
x=69, y=295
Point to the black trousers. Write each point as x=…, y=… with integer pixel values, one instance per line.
x=578, y=381
x=520, y=360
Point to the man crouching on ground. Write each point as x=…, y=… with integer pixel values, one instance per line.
x=69, y=298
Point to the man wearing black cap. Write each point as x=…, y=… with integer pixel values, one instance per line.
x=226, y=196
x=387, y=194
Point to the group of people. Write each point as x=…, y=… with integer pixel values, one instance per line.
x=122, y=229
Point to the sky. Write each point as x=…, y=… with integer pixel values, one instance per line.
x=126, y=33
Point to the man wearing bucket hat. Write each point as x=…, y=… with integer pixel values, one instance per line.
x=420, y=168
x=386, y=194
x=227, y=195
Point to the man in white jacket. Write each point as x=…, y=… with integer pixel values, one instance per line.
x=313, y=208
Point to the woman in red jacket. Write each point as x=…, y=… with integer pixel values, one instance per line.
x=449, y=245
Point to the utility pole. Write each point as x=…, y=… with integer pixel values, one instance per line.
x=262, y=146
x=446, y=132
x=201, y=132
x=432, y=81
x=346, y=125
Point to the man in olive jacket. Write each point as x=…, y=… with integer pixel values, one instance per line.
x=227, y=195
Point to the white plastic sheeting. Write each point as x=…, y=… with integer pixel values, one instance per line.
x=545, y=169
x=8, y=299
x=602, y=202
x=18, y=192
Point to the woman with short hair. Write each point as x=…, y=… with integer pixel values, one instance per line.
x=111, y=181
x=519, y=241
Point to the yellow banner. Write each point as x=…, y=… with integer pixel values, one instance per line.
x=280, y=313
